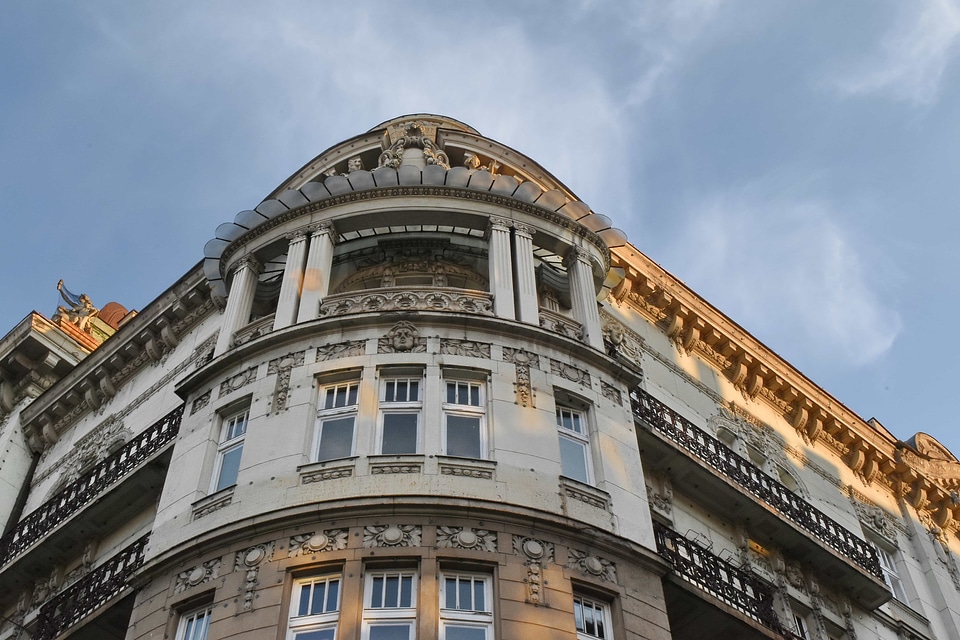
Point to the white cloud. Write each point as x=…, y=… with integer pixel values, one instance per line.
x=787, y=271
x=913, y=57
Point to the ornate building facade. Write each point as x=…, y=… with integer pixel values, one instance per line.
x=423, y=391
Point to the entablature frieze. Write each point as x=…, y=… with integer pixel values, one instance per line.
x=927, y=484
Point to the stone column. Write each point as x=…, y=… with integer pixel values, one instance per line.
x=501, y=269
x=583, y=296
x=316, y=277
x=292, y=280
x=528, y=306
x=239, y=301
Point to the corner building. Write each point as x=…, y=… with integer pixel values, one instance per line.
x=423, y=391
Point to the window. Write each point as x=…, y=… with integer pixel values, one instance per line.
x=890, y=574
x=800, y=627
x=463, y=419
x=195, y=625
x=466, y=611
x=592, y=618
x=233, y=429
x=335, y=421
x=390, y=605
x=574, y=443
x=315, y=608
x=400, y=405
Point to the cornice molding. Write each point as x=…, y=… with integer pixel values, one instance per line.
x=696, y=327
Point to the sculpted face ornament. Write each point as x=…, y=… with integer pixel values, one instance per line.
x=403, y=336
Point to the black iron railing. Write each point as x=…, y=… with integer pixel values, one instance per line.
x=744, y=592
x=750, y=477
x=87, y=487
x=90, y=593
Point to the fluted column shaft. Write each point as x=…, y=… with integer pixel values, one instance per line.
x=292, y=280
x=501, y=269
x=316, y=277
x=239, y=302
x=583, y=296
x=528, y=307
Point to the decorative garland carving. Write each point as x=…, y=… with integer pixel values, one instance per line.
x=611, y=392
x=467, y=538
x=466, y=348
x=413, y=299
x=239, y=381
x=347, y=349
x=318, y=542
x=282, y=367
x=204, y=572
x=592, y=565
x=390, y=535
x=249, y=560
x=570, y=372
x=200, y=402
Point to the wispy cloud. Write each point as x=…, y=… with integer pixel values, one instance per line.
x=913, y=57
x=785, y=268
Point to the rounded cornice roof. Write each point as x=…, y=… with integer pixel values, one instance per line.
x=338, y=172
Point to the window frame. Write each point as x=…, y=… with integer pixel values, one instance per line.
x=306, y=623
x=470, y=618
x=455, y=409
x=190, y=617
x=382, y=616
x=333, y=413
x=581, y=438
x=395, y=407
x=891, y=572
x=227, y=445
x=603, y=606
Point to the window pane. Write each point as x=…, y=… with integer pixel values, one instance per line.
x=336, y=438
x=450, y=591
x=414, y=391
x=391, y=591
x=352, y=396
x=464, y=595
x=305, y=600
x=333, y=593
x=573, y=459
x=389, y=394
x=376, y=594
x=406, y=591
x=478, y=600
x=319, y=590
x=328, y=402
x=466, y=633
x=390, y=632
x=322, y=634
x=399, y=433
x=401, y=390
x=475, y=395
x=463, y=436
x=452, y=392
x=229, y=467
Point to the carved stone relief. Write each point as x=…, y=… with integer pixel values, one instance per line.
x=466, y=538
x=468, y=348
x=317, y=542
x=238, y=381
x=570, y=372
x=405, y=535
x=403, y=337
x=320, y=475
x=534, y=549
x=592, y=565
x=346, y=349
x=249, y=561
x=200, y=401
x=611, y=392
x=205, y=572
x=282, y=367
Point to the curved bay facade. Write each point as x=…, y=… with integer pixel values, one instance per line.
x=422, y=391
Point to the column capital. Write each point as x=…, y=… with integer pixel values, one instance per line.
x=320, y=228
x=576, y=254
x=250, y=262
x=499, y=224
x=525, y=230
x=296, y=236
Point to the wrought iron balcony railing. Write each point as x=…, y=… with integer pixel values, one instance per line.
x=89, y=486
x=744, y=592
x=89, y=593
x=752, y=479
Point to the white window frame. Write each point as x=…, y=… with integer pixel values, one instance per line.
x=462, y=616
x=189, y=619
x=456, y=409
x=800, y=626
x=891, y=575
x=310, y=622
x=233, y=433
x=582, y=604
x=405, y=406
x=377, y=616
x=581, y=438
x=336, y=412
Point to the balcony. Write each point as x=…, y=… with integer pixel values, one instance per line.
x=101, y=499
x=90, y=593
x=740, y=490
x=691, y=615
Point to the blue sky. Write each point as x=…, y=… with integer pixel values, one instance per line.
x=797, y=164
